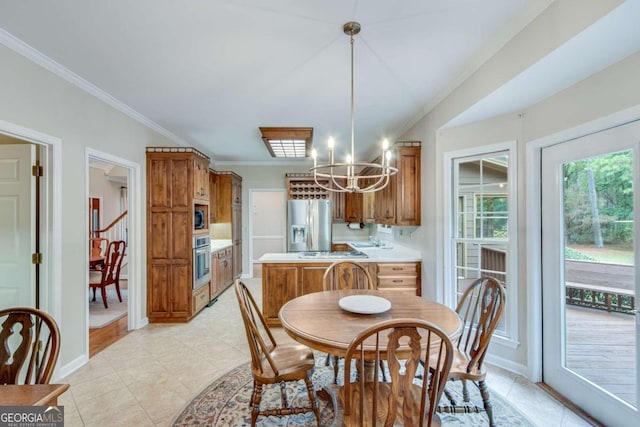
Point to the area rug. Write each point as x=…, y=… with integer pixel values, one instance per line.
x=99, y=317
x=225, y=403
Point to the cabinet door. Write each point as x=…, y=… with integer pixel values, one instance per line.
x=228, y=266
x=220, y=271
x=223, y=198
x=236, y=222
x=158, y=285
x=280, y=284
x=214, y=284
x=353, y=207
x=368, y=209
x=312, y=278
x=237, y=259
x=408, y=186
x=338, y=204
x=236, y=190
x=200, y=178
x=213, y=201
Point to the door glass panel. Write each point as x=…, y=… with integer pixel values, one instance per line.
x=599, y=273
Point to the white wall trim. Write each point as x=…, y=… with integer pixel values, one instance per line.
x=49, y=64
x=70, y=367
x=507, y=364
x=51, y=243
x=446, y=291
x=534, y=224
x=137, y=315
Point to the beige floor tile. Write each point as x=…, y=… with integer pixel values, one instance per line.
x=148, y=376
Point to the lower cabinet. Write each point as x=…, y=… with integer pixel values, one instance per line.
x=200, y=298
x=221, y=271
x=282, y=282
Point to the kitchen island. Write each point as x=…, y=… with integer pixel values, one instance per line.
x=285, y=276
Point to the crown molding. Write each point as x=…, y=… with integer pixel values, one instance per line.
x=22, y=48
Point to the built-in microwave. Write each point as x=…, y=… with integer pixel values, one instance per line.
x=198, y=219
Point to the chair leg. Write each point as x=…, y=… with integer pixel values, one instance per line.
x=465, y=391
x=312, y=399
x=484, y=392
x=118, y=290
x=103, y=290
x=255, y=402
x=94, y=294
x=336, y=366
x=283, y=394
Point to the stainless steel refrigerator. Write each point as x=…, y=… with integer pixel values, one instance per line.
x=309, y=225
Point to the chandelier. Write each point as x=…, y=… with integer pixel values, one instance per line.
x=352, y=176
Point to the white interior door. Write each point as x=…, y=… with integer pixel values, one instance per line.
x=590, y=257
x=268, y=222
x=17, y=226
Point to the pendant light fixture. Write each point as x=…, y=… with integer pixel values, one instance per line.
x=352, y=176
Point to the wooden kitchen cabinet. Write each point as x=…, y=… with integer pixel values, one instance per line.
x=172, y=185
x=213, y=194
x=397, y=277
x=399, y=202
x=222, y=271
x=353, y=207
x=228, y=207
x=201, y=179
x=281, y=282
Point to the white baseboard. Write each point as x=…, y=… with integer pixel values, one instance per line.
x=142, y=323
x=509, y=365
x=70, y=367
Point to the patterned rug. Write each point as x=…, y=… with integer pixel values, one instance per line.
x=225, y=403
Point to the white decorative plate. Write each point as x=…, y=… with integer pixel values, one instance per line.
x=364, y=304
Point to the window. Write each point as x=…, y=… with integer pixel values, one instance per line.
x=482, y=226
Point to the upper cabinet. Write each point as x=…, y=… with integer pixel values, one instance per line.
x=201, y=179
x=399, y=202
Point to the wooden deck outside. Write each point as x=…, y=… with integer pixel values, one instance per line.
x=601, y=347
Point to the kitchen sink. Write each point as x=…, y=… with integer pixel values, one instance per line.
x=363, y=244
x=332, y=255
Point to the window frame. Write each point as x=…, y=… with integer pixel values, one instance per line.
x=451, y=199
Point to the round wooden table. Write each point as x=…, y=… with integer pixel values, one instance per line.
x=317, y=320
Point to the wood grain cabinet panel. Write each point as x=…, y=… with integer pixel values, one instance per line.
x=281, y=282
x=175, y=176
x=279, y=285
x=228, y=209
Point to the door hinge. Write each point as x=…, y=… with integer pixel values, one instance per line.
x=37, y=170
x=36, y=258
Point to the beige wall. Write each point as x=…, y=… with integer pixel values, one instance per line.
x=36, y=99
x=612, y=90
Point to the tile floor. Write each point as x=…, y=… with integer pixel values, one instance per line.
x=147, y=377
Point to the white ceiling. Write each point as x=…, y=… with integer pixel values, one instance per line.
x=209, y=73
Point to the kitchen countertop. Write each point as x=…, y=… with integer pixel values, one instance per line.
x=391, y=252
x=216, y=244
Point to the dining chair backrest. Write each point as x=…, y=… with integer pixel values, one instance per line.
x=346, y=275
x=98, y=246
x=480, y=309
x=403, y=343
x=113, y=262
x=29, y=346
x=259, y=336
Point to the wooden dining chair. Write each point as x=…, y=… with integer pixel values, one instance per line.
x=29, y=346
x=480, y=308
x=403, y=343
x=97, y=248
x=344, y=275
x=273, y=363
x=110, y=272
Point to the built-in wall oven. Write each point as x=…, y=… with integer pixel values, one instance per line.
x=201, y=261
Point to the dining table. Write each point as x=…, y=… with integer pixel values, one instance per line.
x=318, y=320
x=31, y=394
x=325, y=322
x=96, y=262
